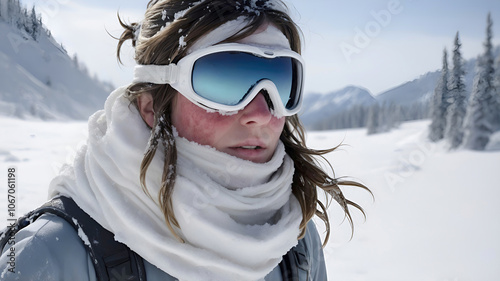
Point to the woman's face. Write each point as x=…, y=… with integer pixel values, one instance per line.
x=251, y=134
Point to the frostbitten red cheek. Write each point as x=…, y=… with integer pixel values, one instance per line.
x=196, y=124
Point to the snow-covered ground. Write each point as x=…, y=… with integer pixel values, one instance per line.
x=435, y=214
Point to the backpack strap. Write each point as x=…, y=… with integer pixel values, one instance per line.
x=295, y=265
x=112, y=260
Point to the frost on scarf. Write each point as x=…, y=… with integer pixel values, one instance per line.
x=264, y=215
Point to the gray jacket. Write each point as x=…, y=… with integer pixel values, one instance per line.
x=50, y=249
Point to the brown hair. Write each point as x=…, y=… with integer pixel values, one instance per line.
x=169, y=21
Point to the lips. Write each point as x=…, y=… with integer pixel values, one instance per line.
x=255, y=144
x=253, y=151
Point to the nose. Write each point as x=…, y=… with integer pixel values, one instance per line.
x=257, y=112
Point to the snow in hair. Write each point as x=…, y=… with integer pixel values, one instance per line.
x=249, y=7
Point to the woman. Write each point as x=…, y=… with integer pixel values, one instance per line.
x=200, y=165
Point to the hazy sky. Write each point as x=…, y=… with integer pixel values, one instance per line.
x=375, y=44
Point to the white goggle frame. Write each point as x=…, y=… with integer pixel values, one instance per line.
x=178, y=76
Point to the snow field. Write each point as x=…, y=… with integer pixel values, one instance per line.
x=37, y=150
x=434, y=216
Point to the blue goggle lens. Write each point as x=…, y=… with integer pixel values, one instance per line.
x=228, y=77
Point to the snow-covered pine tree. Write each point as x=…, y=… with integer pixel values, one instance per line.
x=6, y=10
x=12, y=11
x=24, y=22
x=3, y=10
x=373, y=120
x=17, y=14
x=457, y=109
x=440, y=103
x=391, y=118
x=496, y=83
x=480, y=113
x=398, y=115
x=382, y=118
x=35, y=24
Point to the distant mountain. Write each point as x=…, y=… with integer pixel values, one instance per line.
x=317, y=107
x=38, y=78
x=422, y=88
x=321, y=110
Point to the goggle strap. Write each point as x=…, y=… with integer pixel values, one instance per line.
x=156, y=74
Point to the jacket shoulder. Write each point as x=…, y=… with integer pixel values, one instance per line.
x=304, y=262
x=47, y=249
x=314, y=246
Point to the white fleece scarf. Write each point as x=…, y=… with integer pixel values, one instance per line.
x=237, y=218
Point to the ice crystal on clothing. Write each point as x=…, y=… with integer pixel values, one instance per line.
x=82, y=234
x=175, y=133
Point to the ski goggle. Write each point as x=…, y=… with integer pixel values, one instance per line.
x=227, y=77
